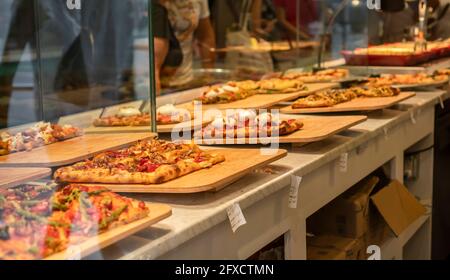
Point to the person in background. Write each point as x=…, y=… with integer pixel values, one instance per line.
x=287, y=16
x=57, y=28
x=190, y=20
x=167, y=48
x=439, y=20
x=264, y=18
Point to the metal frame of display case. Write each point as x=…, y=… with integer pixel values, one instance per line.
x=151, y=61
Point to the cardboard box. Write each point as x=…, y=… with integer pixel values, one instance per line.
x=398, y=206
x=367, y=213
x=329, y=247
x=348, y=215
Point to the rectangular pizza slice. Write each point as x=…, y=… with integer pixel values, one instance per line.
x=37, y=221
x=148, y=162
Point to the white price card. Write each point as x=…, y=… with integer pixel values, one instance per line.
x=73, y=253
x=385, y=130
x=293, y=192
x=236, y=217
x=413, y=118
x=441, y=102
x=343, y=163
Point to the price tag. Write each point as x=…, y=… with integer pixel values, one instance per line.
x=385, y=130
x=293, y=192
x=73, y=253
x=343, y=163
x=236, y=217
x=413, y=118
x=441, y=102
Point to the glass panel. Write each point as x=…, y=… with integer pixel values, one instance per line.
x=19, y=102
x=89, y=55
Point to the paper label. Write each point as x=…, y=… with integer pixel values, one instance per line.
x=441, y=102
x=293, y=192
x=413, y=118
x=236, y=217
x=343, y=162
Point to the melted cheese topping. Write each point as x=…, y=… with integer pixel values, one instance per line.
x=222, y=123
x=230, y=88
x=128, y=112
x=167, y=110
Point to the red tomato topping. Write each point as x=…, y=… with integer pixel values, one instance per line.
x=151, y=167
x=83, y=188
x=121, y=166
x=199, y=158
x=52, y=232
x=142, y=205
x=143, y=161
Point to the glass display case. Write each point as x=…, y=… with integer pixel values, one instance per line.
x=114, y=113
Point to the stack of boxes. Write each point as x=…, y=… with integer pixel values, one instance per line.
x=359, y=218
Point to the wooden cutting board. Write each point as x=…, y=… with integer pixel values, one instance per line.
x=157, y=213
x=261, y=101
x=72, y=150
x=238, y=162
x=314, y=129
x=358, y=104
x=11, y=177
x=162, y=128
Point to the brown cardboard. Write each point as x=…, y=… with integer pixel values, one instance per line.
x=325, y=254
x=349, y=214
x=398, y=206
x=329, y=247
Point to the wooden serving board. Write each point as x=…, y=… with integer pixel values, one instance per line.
x=157, y=213
x=11, y=177
x=261, y=101
x=314, y=129
x=71, y=151
x=238, y=162
x=358, y=104
x=162, y=128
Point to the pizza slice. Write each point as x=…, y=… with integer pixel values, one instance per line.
x=126, y=116
x=40, y=220
x=443, y=72
x=38, y=135
x=279, y=86
x=405, y=79
x=226, y=93
x=246, y=124
x=169, y=114
x=130, y=116
x=148, y=162
x=327, y=75
x=378, y=92
x=319, y=99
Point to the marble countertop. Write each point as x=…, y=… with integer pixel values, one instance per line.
x=195, y=214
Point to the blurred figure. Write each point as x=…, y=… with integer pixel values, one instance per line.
x=190, y=20
x=439, y=21
x=168, y=52
x=56, y=27
x=287, y=16
x=264, y=19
